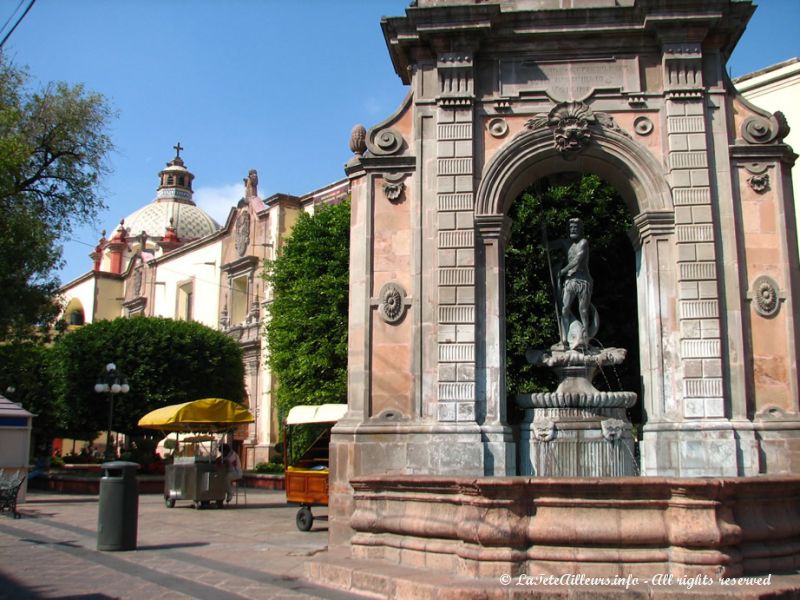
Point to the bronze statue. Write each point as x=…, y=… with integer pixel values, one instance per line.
x=575, y=285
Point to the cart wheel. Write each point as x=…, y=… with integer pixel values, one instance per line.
x=304, y=519
x=170, y=502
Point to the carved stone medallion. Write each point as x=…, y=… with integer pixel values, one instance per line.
x=643, y=126
x=392, y=302
x=766, y=296
x=242, y=232
x=497, y=127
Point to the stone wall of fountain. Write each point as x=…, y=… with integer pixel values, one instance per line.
x=577, y=430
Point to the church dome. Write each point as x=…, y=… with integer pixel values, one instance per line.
x=189, y=221
x=172, y=207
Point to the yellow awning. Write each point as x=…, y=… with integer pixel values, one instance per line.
x=208, y=414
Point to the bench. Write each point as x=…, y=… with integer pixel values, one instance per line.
x=10, y=482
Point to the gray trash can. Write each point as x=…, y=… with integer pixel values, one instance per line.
x=118, y=508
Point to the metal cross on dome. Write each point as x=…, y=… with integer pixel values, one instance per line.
x=178, y=149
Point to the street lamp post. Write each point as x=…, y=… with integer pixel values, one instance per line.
x=112, y=381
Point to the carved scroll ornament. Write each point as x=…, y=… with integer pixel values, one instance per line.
x=384, y=142
x=762, y=130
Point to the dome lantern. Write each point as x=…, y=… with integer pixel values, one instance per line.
x=175, y=181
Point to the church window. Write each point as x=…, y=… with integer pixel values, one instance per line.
x=170, y=180
x=239, y=291
x=181, y=180
x=185, y=301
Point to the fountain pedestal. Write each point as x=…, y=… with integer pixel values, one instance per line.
x=576, y=431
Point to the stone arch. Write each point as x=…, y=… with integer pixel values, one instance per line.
x=642, y=183
x=612, y=155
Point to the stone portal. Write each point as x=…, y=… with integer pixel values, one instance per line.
x=503, y=93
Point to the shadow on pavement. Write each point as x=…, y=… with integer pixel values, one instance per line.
x=171, y=546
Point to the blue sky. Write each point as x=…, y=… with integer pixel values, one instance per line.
x=274, y=85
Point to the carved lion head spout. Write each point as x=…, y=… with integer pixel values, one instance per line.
x=612, y=429
x=544, y=429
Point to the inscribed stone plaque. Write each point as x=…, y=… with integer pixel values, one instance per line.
x=574, y=80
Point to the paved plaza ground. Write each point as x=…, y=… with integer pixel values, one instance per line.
x=242, y=551
x=248, y=551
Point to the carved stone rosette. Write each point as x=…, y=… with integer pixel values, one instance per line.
x=571, y=123
x=766, y=296
x=392, y=302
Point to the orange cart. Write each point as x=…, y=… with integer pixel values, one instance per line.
x=307, y=479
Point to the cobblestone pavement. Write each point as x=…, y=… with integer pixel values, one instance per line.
x=242, y=551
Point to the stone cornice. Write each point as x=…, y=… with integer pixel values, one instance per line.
x=653, y=223
x=766, y=152
x=246, y=263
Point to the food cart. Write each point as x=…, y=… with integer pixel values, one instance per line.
x=194, y=474
x=306, y=480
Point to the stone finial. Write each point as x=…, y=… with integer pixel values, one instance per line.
x=358, y=140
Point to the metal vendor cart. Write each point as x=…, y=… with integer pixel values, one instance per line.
x=307, y=480
x=194, y=474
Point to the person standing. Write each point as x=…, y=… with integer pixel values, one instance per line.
x=233, y=468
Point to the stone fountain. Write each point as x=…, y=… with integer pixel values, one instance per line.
x=577, y=430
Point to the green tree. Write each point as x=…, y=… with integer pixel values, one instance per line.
x=26, y=368
x=166, y=362
x=307, y=330
x=530, y=305
x=53, y=150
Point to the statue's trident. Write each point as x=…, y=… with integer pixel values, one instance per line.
x=556, y=290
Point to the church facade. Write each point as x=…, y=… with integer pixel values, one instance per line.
x=170, y=259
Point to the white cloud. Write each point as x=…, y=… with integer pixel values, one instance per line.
x=218, y=200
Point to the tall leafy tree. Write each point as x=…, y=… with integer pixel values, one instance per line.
x=26, y=377
x=53, y=151
x=166, y=362
x=307, y=330
x=530, y=302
